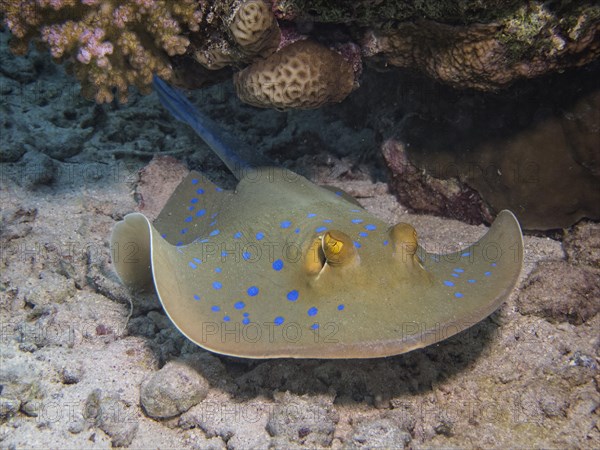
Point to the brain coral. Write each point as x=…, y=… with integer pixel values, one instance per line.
x=254, y=25
x=303, y=75
x=251, y=31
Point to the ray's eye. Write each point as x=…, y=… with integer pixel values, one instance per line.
x=334, y=249
x=338, y=248
x=315, y=258
x=404, y=238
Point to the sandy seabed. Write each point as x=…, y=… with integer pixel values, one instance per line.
x=73, y=363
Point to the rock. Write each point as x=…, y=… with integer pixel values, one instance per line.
x=379, y=433
x=109, y=413
x=36, y=169
x=558, y=291
x=241, y=425
x=423, y=192
x=8, y=408
x=20, y=390
x=307, y=421
x=71, y=374
x=172, y=390
x=482, y=155
x=582, y=244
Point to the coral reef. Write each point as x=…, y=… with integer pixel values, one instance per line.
x=529, y=43
x=112, y=45
x=302, y=75
x=370, y=13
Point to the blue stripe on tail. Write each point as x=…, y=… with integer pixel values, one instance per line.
x=176, y=103
x=226, y=146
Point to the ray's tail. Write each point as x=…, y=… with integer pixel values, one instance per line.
x=237, y=156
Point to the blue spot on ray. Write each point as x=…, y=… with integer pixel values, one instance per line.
x=214, y=232
x=196, y=297
x=327, y=221
x=370, y=227
x=297, y=230
x=363, y=234
x=200, y=191
x=471, y=281
x=465, y=254
x=311, y=215
x=194, y=200
x=312, y=311
x=357, y=244
x=218, y=270
x=200, y=213
x=215, y=308
x=314, y=326
x=245, y=321
x=386, y=242
x=292, y=296
x=252, y=291
x=260, y=235
x=192, y=265
x=487, y=274
x=246, y=256
x=448, y=283
x=278, y=320
x=184, y=230
x=341, y=307
x=188, y=219
x=278, y=265
x=458, y=294
x=357, y=221
x=320, y=229
x=226, y=318
x=237, y=235
x=459, y=270
x=216, y=285
x=285, y=224
x=195, y=181
x=240, y=305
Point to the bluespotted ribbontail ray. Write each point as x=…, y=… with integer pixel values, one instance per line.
x=281, y=267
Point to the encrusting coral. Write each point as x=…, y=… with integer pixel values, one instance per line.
x=529, y=43
x=302, y=75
